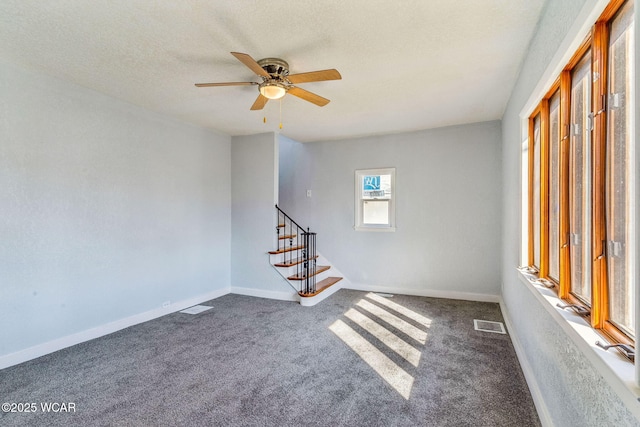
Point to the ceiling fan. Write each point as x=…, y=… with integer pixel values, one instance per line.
x=277, y=82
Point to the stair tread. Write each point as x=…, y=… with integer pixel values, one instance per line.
x=322, y=285
x=319, y=269
x=291, y=262
x=287, y=249
x=287, y=236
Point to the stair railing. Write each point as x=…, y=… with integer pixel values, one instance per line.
x=294, y=239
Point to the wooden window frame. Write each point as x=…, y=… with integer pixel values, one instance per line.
x=598, y=42
x=601, y=39
x=564, y=287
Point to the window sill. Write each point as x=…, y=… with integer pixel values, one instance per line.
x=617, y=370
x=375, y=229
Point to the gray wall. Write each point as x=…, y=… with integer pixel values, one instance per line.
x=254, y=164
x=448, y=211
x=106, y=210
x=288, y=153
x=571, y=390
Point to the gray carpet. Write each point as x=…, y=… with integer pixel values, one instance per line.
x=257, y=362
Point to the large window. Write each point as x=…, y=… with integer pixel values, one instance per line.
x=375, y=194
x=582, y=182
x=620, y=176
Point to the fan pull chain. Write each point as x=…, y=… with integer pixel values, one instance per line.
x=264, y=119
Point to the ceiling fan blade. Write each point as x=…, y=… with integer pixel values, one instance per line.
x=308, y=96
x=226, y=84
x=315, y=76
x=261, y=101
x=250, y=63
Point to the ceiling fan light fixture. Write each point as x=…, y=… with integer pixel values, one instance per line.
x=272, y=90
x=277, y=82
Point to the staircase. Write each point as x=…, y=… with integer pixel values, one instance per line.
x=298, y=261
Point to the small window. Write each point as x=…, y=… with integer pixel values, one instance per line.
x=375, y=199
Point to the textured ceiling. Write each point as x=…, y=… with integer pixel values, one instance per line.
x=405, y=65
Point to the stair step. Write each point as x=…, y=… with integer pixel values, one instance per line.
x=322, y=285
x=287, y=249
x=280, y=225
x=291, y=262
x=287, y=236
x=319, y=269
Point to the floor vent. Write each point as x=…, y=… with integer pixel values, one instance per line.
x=196, y=309
x=489, y=326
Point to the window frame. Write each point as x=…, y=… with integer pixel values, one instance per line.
x=597, y=42
x=359, y=224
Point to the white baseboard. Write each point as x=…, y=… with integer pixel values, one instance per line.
x=433, y=293
x=265, y=293
x=99, y=331
x=534, y=388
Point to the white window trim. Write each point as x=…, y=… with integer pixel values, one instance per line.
x=358, y=225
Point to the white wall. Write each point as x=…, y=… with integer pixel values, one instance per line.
x=448, y=191
x=568, y=387
x=254, y=165
x=106, y=210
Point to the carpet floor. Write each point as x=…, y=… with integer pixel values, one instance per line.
x=356, y=359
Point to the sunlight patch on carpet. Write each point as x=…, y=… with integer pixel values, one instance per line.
x=398, y=323
x=389, y=324
x=388, y=338
x=393, y=374
x=400, y=309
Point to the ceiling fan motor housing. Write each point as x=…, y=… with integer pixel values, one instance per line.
x=275, y=86
x=276, y=67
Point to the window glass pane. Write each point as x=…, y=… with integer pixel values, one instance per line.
x=375, y=212
x=536, y=191
x=620, y=174
x=554, y=189
x=376, y=187
x=579, y=181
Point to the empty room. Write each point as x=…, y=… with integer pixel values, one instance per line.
x=323, y=213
